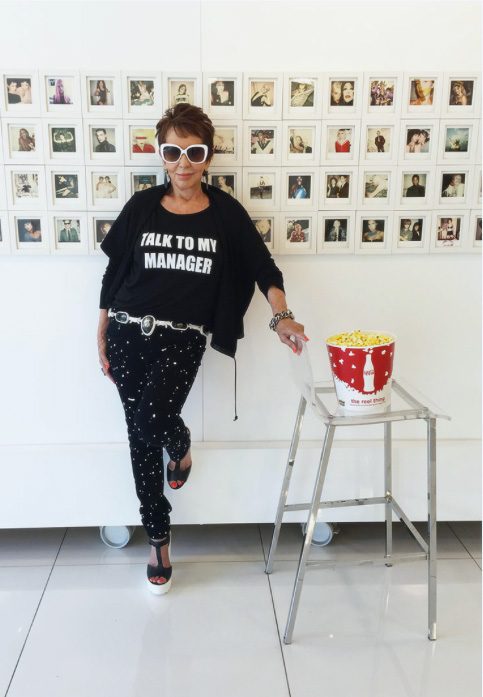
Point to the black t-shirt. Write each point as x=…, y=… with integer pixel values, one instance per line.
x=174, y=270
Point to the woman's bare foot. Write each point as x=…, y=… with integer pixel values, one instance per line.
x=153, y=560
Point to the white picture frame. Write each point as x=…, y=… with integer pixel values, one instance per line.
x=26, y=88
x=383, y=223
x=408, y=194
x=336, y=93
x=269, y=152
x=374, y=151
x=340, y=141
x=140, y=144
x=429, y=85
x=223, y=101
x=57, y=85
x=262, y=96
x=137, y=178
x=232, y=180
x=418, y=140
x=261, y=188
x=99, y=102
x=66, y=187
x=303, y=135
x=18, y=221
x=341, y=193
x=267, y=225
x=457, y=132
x=476, y=196
x=228, y=143
x=3, y=188
x=408, y=226
x=333, y=238
x=299, y=188
x=13, y=140
x=114, y=135
x=456, y=240
x=174, y=92
x=463, y=185
x=302, y=96
x=474, y=243
x=78, y=223
x=58, y=138
x=95, y=222
x=4, y=232
x=382, y=93
x=25, y=187
x=142, y=94
x=297, y=232
x=105, y=188
x=373, y=179
x=453, y=97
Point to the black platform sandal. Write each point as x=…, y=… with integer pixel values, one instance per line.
x=159, y=569
x=177, y=474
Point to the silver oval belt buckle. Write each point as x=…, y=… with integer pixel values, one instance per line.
x=121, y=317
x=148, y=324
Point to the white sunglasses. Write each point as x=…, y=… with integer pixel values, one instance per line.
x=171, y=154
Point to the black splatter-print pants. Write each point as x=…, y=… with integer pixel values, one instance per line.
x=153, y=375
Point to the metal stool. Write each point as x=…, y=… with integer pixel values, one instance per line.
x=412, y=408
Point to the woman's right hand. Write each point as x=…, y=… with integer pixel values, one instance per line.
x=102, y=344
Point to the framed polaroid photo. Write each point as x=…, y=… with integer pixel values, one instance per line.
x=474, y=235
x=340, y=141
x=228, y=179
x=343, y=94
x=422, y=94
x=379, y=142
x=261, y=188
x=376, y=187
x=449, y=231
x=458, y=140
x=25, y=187
x=418, y=140
x=461, y=96
x=338, y=187
x=69, y=233
x=3, y=188
x=140, y=178
x=298, y=232
x=60, y=93
x=262, y=143
x=222, y=96
x=182, y=88
x=20, y=93
x=453, y=186
x=299, y=188
x=105, y=188
x=373, y=232
x=22, y=141
x=66, y=187
x=262, y=96
x=227, y=143
x=412, y=230
x=29, y=232
x=103, y=142
x=140, y=144
x=302, y=96
x=301, y=143
x=64, y=141
x=267, y=226
x=101, y=94
x=382, y=93
x=98, y=225
x=477, y=198
x=142, y=95
x=335, y=232
x=4, y=233
x=414, y=187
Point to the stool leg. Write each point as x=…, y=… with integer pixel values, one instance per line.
x=432, y=545
x=388, y=489
x=314, y=507
x=286, y=481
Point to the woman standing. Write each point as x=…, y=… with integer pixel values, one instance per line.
x=183, y=262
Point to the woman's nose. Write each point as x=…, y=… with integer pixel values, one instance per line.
x=184, y=161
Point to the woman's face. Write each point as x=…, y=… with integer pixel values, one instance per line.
x=182, y=89
x=348, y=92
x=336, y=91
x=298, y=140
x=23, y=133
x=184, y=174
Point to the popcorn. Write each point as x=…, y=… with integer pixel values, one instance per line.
x=359, y=338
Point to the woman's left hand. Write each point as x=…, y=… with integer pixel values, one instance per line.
x=287, y=328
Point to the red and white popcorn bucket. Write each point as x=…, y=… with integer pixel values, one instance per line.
x=361, y=364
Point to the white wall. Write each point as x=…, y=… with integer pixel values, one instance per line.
x=52, y=387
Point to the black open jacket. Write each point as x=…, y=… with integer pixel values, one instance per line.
x=245, y=260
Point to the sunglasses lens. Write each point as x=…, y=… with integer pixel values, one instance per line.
x=196, y=154
x=171, y=153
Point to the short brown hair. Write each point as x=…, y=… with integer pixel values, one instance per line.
x=186, y=119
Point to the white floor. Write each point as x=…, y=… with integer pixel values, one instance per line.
x=77, y=621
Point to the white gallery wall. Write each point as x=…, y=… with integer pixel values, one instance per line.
x=59, y=412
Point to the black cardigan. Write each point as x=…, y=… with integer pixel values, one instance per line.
x=245, y=260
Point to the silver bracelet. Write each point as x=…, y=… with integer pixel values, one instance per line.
x=279, y=316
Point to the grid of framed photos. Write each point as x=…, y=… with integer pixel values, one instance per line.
x=325, y=163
